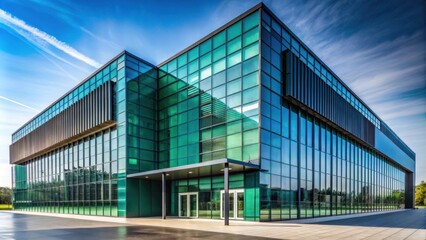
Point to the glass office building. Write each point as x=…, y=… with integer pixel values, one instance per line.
x=247, y=123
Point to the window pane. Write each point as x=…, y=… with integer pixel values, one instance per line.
x=182, y=60
x=193, y=66
x=206, y=72
x=234, y=30
x=219, y=66
x=250, y=95
x=234, y=86
x=233, y=59
x=251, y=36
x=234, y=100
x=205, y=47
x=233, y=127
x=251, y=21
x=219, y=39
x=250, y=65
x=250, y=51
x=233, y=72
x=219, y=53
x=250, y=80
x=234, y=140
x=251, y=136
x=205, y=60
x=234, y=45
x=193, y=54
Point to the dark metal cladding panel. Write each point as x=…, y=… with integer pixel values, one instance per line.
x=321, y=98
x=83, y=117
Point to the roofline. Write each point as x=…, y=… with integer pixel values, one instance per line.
x=226, y=25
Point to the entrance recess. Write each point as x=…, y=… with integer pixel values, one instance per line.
x=188, y=204
x=236, y=203
x=198, y=170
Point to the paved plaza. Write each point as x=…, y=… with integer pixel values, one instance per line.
x=407, y=224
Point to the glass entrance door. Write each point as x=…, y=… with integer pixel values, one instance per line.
x=236, y=204
x=188, y=204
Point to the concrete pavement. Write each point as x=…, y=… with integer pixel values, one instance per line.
x=407, y=224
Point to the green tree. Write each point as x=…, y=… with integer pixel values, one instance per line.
x=421, y=194
x=5, y=195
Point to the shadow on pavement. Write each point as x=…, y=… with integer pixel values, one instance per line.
x=122, y=232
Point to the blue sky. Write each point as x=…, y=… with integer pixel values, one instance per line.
x=46, y=47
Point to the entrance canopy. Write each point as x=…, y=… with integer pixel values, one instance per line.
x=210, y=168
x=203, y=169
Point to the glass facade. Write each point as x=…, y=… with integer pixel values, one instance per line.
x=314, y=170
x=227, y=97
x=209, y=99
x=79, y=178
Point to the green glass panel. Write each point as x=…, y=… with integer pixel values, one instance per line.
x=193, y=149
x=250, y=51
x=251, y=21
x=250, y=37
x=205, y=183
x=234, y=86
x=171, y=66
x=234, y=30
x=193, y=66
x=182, y=60
x=250, y=95
x=206, y=110
x=233, y=127
x=234, y=153
x=251, y=152
x=219, y=154
x=182, y=72
x=233, y=140
x=234, y=45
x=193, y=78
x=219, y=39
x=205, y=47
x=193, y=102
x=193, y=137
x=233, y=72
x=251, y=80
x=219, y=79
x=192, y=54
x=206, y=72
x=219, y=53
x=251, y=65
x=234, y=100
x=251, y=136
x=218, y=131
x=206, y=134
x=219, y=92
x=233, y=59
x=219, y=66
x=182, y=152
x=205, y=60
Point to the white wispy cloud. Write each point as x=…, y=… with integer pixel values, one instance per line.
x=51, y=40
x=18, y=103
